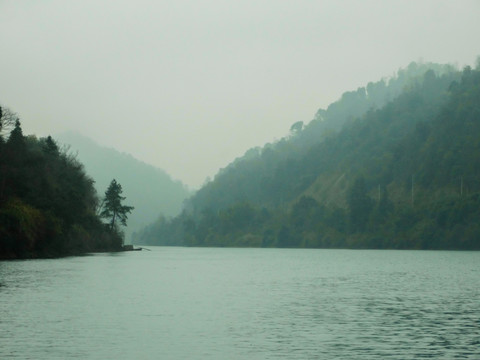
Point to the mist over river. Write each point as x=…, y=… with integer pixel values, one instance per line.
x=214, y=303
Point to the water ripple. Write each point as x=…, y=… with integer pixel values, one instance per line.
x=175, y=303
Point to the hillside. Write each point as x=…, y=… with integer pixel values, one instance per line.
x=48, y=205
x=392, y=165
x=150, y=190
x=277, y=173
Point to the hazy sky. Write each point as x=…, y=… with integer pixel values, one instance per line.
x=190, y=85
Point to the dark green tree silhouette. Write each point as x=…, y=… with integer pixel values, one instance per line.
x=50, y=147
x=16, y=141
x=112, y=207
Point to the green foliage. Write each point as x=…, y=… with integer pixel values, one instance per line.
x=50, y=147
x=47, y=202
x=20, y=224
x=112, y=206
x=395, y=165
x=359, y=205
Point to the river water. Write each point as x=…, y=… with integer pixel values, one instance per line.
x=207, y=303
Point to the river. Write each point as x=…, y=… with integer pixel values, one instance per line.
x=210, y=303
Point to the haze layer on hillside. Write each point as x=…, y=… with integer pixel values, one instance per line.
x=188, y=86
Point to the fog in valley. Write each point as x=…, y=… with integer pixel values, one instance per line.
x=235, y=179
x=188, y=86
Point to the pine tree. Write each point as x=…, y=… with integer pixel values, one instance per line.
x=16, y=140
x=50, y=147
x=112, y=206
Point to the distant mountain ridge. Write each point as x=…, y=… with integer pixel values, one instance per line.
x=392, y=165
x=149, y=189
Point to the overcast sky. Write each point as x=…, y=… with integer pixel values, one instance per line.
x=188, y=86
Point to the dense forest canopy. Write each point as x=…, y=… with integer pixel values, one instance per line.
x=48, y=205
x=393, y=165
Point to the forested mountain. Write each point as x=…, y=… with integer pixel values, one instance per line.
x=392, y=165
x=279, y=172
x=151, y=190
x=48, y=203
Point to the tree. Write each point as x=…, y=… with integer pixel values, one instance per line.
x=8, y=120
x=296, y=127
x=50, y=147
x=16, y=141
x=112, y=207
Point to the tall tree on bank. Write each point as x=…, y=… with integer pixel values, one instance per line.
x=112, y=208
x=47, y=200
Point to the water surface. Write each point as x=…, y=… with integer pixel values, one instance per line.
x=190, y=303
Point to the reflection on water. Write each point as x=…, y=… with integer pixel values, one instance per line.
x=181, y=303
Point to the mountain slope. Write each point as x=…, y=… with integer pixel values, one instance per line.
x=393, y=177
x=277, y=173
x=47, y=201
x=150, y=190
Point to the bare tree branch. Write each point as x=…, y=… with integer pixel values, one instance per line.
x=7, y=121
